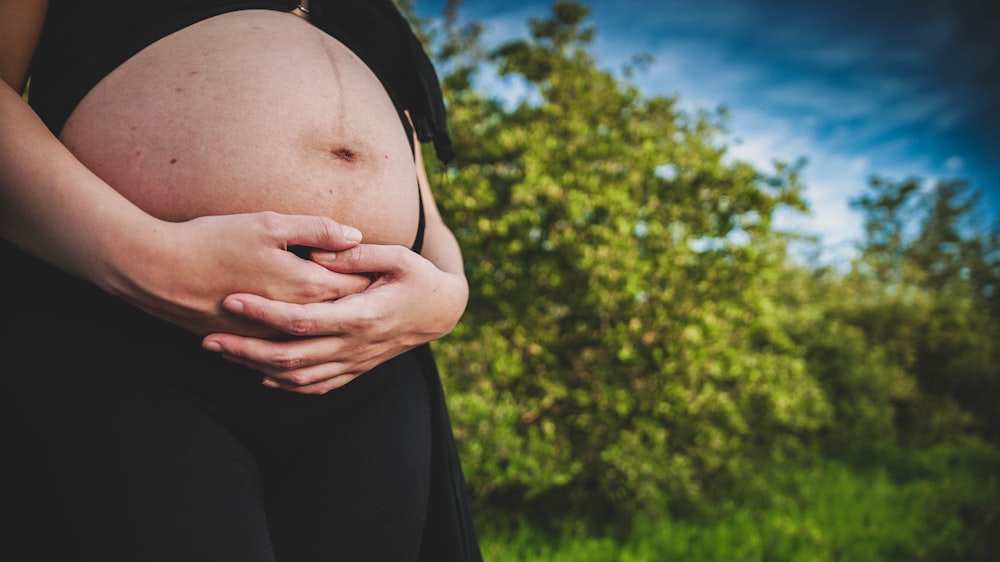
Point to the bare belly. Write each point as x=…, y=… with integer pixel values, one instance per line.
x=250, y=111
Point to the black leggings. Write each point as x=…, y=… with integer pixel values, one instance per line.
x=116, y=448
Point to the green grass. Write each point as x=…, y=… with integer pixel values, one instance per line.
x=937, y=505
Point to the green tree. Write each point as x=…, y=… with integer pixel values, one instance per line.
x=928, y=278
x=626, y=346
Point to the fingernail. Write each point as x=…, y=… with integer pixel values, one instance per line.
x=269, y=382
x=351, y=234
x=234, y=305
x=212, y=346
x=324, y=256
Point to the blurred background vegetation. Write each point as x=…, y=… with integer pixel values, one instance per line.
x=649, y=369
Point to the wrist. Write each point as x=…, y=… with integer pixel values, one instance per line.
x=133, y=253
x=457, y=299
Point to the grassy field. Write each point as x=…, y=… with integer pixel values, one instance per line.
x=935, y=505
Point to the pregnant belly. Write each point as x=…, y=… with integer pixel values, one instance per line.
x=250, y=111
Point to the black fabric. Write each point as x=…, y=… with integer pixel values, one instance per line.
x=84, y=372
x=154, y=452
x=87, y=379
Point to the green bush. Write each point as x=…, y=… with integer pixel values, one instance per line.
x=624, y=349
x=938, y=505
x=639, y=340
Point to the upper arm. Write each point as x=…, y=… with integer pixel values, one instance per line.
x=20, y=26
x=427, y=196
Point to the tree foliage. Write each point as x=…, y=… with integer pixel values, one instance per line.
x=624, y=343
x=638, y=339
x=928, y=296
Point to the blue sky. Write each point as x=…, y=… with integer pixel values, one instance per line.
x=859, y=88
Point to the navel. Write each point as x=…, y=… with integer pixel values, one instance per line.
x=345, y=154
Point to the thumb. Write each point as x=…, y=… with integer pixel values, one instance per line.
x=365, y=258
x=321, y=233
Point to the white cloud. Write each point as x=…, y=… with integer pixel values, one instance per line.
x=831, y=179
x=954, y=164
x=849, y=106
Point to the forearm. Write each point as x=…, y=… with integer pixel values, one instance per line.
x=442, y=249
x=53, y=207
x=452, y=294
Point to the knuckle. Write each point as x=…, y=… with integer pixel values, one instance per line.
x=404, y=255
x=299, y=379
x=235, y=351
x=312, y=291
x=269, y=220
x=301, y=326
x=287, y=361
x=360, y=283
x=359, y=323
x=400, y=258
x=316, y=390
x=371, y=316
x=329, y=229
x=364, y=350
x=353, y=257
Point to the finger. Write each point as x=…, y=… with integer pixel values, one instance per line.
x=317, y=376
x=366, y=258
x=326, y=377
x=312, y=375
x=318, y=388
x=289, y=318
x=277, y=357
x=301, y=320
x=313, y=231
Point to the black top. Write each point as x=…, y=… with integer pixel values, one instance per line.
x=84, y=41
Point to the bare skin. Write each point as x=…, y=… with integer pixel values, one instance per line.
x=185, y=207
x=248, y=111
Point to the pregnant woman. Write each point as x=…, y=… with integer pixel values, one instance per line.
x=223, y=263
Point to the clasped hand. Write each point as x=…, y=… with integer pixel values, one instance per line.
x=409, y=302
x=309, y=325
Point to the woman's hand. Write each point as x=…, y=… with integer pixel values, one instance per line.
x=410, y=302
x=183, y=271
